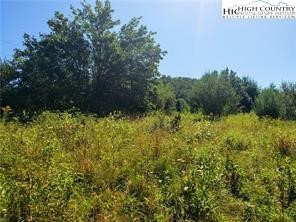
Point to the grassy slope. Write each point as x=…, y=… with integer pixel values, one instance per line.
x=63, y=168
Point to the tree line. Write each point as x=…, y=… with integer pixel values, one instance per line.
x=92, y=63
x=223, y=93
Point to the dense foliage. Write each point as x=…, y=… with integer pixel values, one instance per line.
x=214, y=94
x=64, y=167
x=89, y=63
x=182, y=86
x=84, y=63
x=268, y=103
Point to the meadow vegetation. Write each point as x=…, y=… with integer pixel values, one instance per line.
x=180, y=167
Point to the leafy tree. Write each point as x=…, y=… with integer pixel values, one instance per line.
x=124, y=64
x=288, y=103
x=165, y=97
x=182, y=86
x=268, y=103
x=182, y=105
x=105, y=53
x=214, y=94
x=53, y=71
x=251, y=91
x=245, y=88
x=141, y=59
x=8, y=82
x=85, y=63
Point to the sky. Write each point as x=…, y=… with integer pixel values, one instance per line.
x=193, y=33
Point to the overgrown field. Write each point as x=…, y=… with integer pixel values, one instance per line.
x=64, y=167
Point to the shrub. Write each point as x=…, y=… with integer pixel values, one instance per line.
x=288, y=93
x=182, y=105
x=285, y=144
x=237, y=142
x=268, y=103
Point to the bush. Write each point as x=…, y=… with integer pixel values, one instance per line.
x=268, y=103
x=182, y=105
x=214, y=94
x=288, y=106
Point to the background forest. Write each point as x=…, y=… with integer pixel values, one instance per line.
x=89, y=62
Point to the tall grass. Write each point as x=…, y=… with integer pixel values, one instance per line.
x=65, y=167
